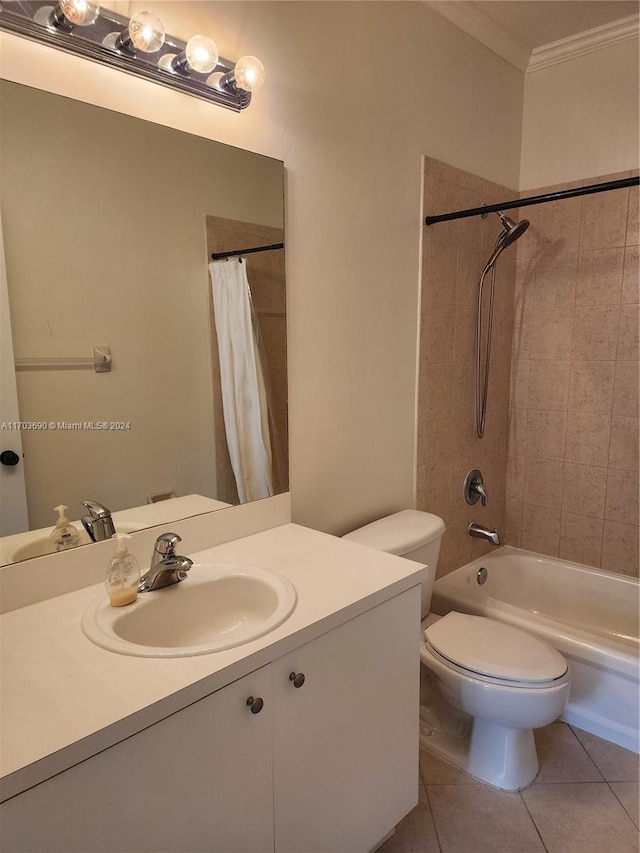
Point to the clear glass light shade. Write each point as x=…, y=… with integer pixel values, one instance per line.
x=249, y=73
x=146, y=32
x=201, y=54
x=80, y=13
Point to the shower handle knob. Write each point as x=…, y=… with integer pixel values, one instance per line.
x=473, y=489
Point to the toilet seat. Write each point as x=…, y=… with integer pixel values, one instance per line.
x=491, y=651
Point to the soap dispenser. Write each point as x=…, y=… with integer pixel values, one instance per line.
x=123, y=575
x=64, y=535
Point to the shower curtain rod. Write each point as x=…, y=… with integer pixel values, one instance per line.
x=219, y=256
x=534, y=199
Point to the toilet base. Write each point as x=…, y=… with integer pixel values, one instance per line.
x=496, y=755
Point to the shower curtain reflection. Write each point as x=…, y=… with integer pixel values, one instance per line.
x=266, y=274
x=244, y=398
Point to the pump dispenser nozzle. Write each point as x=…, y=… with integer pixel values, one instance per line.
x=121, y=544
x=64, y=534
x=62, y=521
x=123, y=575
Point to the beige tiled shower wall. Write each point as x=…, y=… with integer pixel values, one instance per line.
x=454, y=254
x=572, y=485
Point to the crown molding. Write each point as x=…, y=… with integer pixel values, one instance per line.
x=585, y=42
x=466, y=15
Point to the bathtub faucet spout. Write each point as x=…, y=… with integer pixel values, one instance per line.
x=480, y=532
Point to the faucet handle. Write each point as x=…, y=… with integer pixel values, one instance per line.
x=166, y=544
x=473, y=489
x=479, y=489
x=98, y=524
x=96, y=510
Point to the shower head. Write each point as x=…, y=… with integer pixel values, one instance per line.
x=510, y=233
x=512, y=230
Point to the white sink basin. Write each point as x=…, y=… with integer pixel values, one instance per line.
x=217, y=607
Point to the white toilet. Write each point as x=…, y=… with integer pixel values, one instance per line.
x=484, y=684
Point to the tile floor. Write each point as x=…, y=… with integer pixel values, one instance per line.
x=584, y=800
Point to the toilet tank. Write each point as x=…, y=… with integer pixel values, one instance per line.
x=411, y=534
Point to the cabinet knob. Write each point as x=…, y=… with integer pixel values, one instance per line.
x=297, y=678
x=255, y=705
x=9, y=457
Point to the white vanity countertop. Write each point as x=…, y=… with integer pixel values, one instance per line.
x=64, y=699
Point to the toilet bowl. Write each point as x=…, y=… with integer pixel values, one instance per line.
x=485, y=685
x=505, y=681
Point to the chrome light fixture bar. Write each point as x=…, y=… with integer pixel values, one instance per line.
x=137, y=46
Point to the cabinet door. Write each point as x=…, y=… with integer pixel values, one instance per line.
x=199, y=780
x=346, y=741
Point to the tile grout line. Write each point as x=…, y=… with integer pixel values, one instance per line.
x=433, y=817
x=531, y=817
x=624, y=807
x=586, y=751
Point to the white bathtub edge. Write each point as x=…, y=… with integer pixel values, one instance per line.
x=601, y=727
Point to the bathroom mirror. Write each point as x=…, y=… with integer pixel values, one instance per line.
x=108, y=222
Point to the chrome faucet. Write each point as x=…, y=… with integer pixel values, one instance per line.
x=166, y=566
x=478, y=531
x=98, y=524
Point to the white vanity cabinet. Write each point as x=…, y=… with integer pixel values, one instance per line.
x=345, y=744
x=198, y=780
x=330, y=765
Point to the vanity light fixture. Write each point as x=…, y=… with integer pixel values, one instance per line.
x=138, y=46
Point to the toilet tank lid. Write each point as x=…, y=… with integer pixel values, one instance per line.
x=399, y=533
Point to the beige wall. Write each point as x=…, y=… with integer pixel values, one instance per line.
x=581, y=117
x=355, y=94
x=573, y=450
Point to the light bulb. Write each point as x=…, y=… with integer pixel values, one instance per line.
x=68, y=14
x=249, y=73
x=201, y=54
x=146, y=32
x=80, y=13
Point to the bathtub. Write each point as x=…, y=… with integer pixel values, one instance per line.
x=589, y=615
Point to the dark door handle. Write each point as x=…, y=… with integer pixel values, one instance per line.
x=9, y=457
